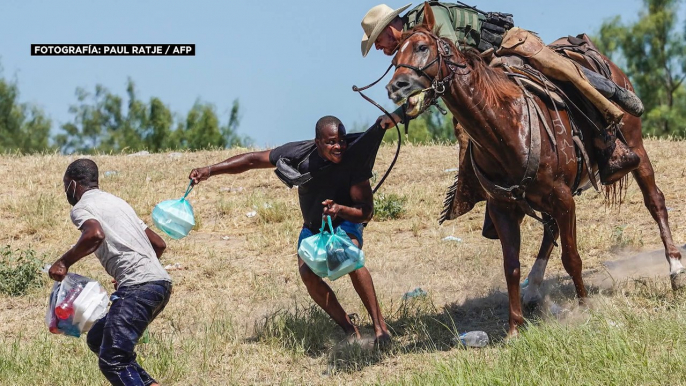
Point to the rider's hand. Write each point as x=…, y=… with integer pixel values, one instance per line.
x=331, y=209
x=386, y=122
x=58, y=270
x=199, y=174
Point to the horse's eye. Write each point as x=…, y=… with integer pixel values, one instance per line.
x=422, y=48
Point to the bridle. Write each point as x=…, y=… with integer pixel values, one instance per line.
x=443, y=57
x=437, y=85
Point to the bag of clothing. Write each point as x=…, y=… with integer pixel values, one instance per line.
x=175, y=217
x=76, y=303
x=330, y=253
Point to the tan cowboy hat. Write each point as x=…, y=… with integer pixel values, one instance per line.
x=375, y=21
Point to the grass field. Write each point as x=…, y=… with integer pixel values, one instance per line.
x=240, y=315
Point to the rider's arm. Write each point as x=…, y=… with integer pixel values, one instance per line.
x=234, y=165
x=443, y=27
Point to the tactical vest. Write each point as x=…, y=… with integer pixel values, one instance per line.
x=478, y=29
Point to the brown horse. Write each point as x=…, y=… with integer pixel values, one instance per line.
x=523, y=165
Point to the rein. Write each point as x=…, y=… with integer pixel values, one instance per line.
x=397, y=128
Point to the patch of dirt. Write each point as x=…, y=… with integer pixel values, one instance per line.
x=644, y=265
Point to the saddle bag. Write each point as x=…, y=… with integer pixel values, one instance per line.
x=493, y=29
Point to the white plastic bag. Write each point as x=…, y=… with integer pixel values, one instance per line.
x=76, y=303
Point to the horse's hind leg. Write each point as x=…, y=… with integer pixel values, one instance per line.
x=532, y=291
x=564, y=213
x=507, y=218
x=655, y=202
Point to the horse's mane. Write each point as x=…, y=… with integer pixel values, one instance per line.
x=497, y=89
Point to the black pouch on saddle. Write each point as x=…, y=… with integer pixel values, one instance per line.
x=493, y=29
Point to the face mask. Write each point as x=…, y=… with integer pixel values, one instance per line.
x=71, y=198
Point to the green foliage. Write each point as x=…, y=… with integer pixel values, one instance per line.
x=102, y=124
x=23, y=127
x=430, y=126
x=19, y=271
x=653, y=52
x=388, y=207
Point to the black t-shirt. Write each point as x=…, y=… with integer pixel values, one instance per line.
x=329, y=180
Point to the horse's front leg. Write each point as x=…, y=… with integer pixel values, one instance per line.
x=507, y=218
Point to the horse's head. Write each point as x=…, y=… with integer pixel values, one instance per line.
x=418, y=76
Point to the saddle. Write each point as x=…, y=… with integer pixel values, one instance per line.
x=581, y=49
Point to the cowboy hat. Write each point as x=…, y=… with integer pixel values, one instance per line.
x=375, y=21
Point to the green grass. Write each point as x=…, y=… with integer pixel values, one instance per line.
x=621, y=344
x=180, y=356
x=389, y=206
x=232, y=317
x=19, y=271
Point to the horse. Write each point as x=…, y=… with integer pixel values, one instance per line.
x=523, y=166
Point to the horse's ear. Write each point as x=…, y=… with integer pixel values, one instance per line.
x=429, y=20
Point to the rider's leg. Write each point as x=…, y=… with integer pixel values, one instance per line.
x=626, y=99
x=617, y=159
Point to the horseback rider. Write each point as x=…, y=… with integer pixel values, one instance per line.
x=495, y=34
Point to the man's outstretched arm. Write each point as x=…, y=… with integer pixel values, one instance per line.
x=234, y=165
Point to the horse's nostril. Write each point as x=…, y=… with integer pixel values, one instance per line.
x=399, y=85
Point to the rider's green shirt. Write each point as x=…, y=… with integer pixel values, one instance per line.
x=452, y=22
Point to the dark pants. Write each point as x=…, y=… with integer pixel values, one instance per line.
x=115, y=336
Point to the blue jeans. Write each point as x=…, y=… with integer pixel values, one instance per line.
x=114, y=337
x=354, y=230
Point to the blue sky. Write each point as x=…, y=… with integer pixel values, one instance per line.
x=288, y=62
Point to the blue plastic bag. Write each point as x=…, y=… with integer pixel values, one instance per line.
x=331, y=254
x=175, y=217
x=313, y=251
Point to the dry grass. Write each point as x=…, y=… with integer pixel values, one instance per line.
x=239, y=313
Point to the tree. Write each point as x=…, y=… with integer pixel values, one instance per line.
x=102, y=124
x=202, y=130
x=23, y=127
x=653, y=51
x=93, y=123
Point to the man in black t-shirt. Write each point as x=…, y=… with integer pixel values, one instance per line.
x=333, y=179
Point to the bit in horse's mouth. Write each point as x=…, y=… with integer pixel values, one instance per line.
x=416, y=103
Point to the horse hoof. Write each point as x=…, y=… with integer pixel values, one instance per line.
x=512, y=335
x=531, y=299
x=678, y=279
x=532, y=304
